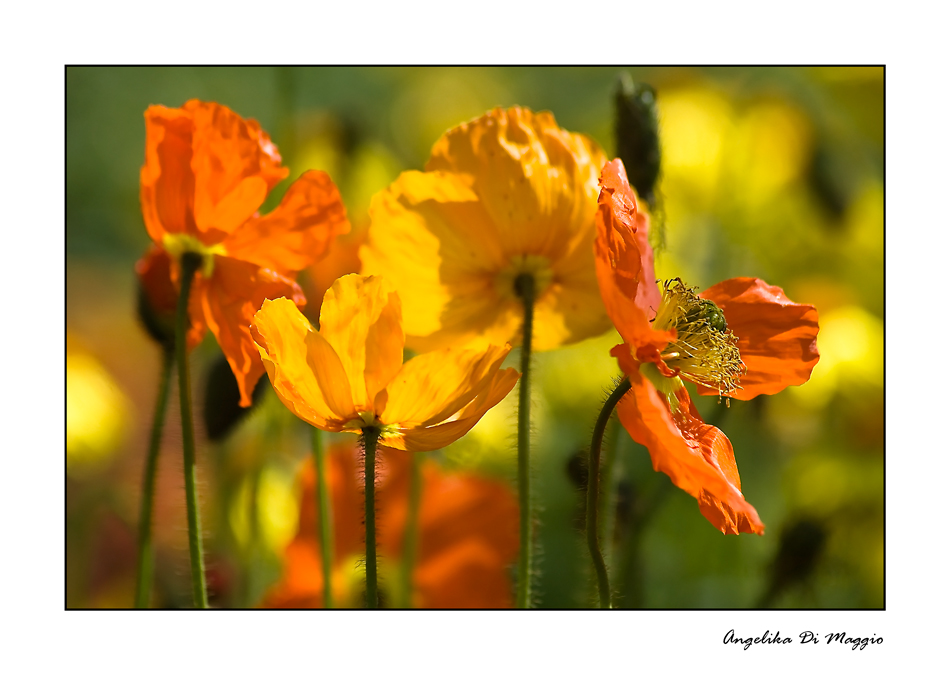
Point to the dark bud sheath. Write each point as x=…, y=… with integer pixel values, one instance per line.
x=638, y=138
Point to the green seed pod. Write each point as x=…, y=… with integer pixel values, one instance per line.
x=638, y=137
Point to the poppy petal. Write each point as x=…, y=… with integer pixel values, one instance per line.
x=697, y=457
x=235, y=165
x=360, y=320
x=432, y=387
x=624, y=261
x=298, y=232
x=777, y=337
x=280, y=332
x=166, y=181
x=422, y=439
x=232, y=295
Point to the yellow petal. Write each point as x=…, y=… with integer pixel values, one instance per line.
x=281, y=331
x=421, y=439
x=432, y=387
x=361, y=320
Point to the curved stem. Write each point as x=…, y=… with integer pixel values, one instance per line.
x=593, y=490
x=524, y=287
x=143, y=573
x=189, y=265
x=370, y=438
x=411, y=536
x=325, y=522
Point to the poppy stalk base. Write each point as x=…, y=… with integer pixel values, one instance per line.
x=190, y=262
x=593, y=490
x=143, y=575
x=325, y=523
x=524, y=287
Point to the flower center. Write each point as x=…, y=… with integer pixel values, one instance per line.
x=704, y=351
x=536, y=266
x=176, y=245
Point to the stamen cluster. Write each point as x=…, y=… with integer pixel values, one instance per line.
x=705, y=350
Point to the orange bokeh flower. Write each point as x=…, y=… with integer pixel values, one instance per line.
x=739, y=339
x=507, y=194
x=207, y=171
x=467, y=537
x=350, y=375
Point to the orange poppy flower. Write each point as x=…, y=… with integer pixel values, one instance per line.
x=467, y=537
x=507, y=194
x=739, y=339
x=207, y=171
x=349, y=375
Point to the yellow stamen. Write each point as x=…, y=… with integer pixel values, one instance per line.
x=537, y=266
x=176, y=245
x=704, y=351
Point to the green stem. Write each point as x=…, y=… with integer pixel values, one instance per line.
x=143, y=576
x=608, y=475
x=325, y=521
x=593, y=491
x=370, y=438
x=524, y=287
x=411, y=536
x=189, y=265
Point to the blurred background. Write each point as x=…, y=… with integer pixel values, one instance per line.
x=769, y=172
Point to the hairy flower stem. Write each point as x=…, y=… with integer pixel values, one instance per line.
x=143, y=572
x=593, y=491
x=411, y=536
x=190, y=262
x=524, y=287
x=325, y=522
x=370, y=438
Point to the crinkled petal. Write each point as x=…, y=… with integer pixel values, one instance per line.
x=166, y=181
x=361, y=320
x=432, y=387
x=235, y=165
x=298, y=232
x=624, y=261
x=537, y=182
x=280, y=332
x=422, y=439
x=697, y=457
x=778, y=338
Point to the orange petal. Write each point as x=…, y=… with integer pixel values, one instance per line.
x=624, y=261
x=361, y=320
x=332, y=380
x=777, y=337
x=234, y=293
x=166, y=181
x=422, y=438
x=298, y=232
x=697, y=457
x=235, y=165
x=432, y=387
x=281, y=333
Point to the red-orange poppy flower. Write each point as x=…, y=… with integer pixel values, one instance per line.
x=739, y=339
x=207, y=171
x=467, y=537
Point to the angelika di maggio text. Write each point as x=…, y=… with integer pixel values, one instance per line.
x=806, y=637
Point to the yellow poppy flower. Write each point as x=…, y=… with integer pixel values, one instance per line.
x=349, y=375
x=504, y=195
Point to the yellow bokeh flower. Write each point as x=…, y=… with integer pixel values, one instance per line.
x=505, y=195
x=349, y=375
